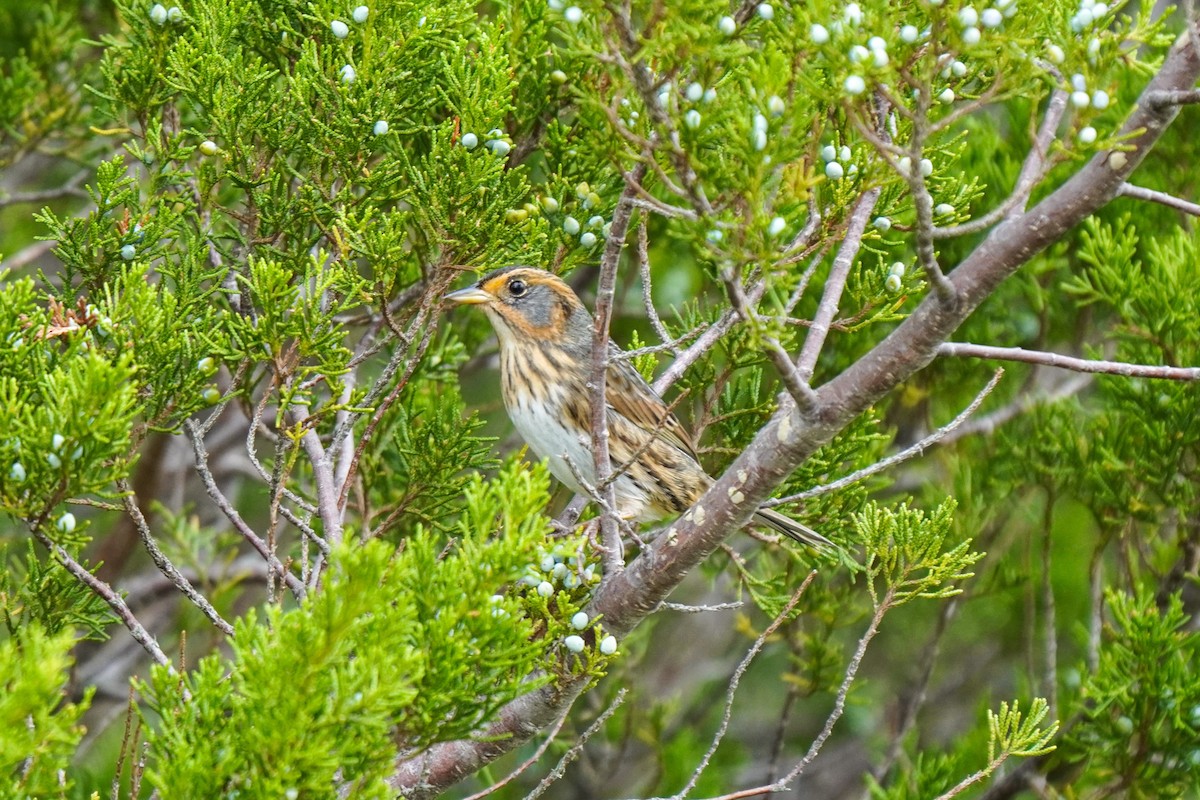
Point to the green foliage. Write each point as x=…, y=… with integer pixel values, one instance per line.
x=301, y=700
x=274, y=205
x=411, y=472
x=42, y=41
x=1141, y=706
x=38, y=592
x=1011, y=733
x=39, y=727
x=907, y=555
x=69, y=407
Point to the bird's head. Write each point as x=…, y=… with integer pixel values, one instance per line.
x=531, y=306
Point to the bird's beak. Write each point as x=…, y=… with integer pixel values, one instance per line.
x=471, y=296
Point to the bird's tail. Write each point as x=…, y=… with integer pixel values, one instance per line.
x=789, y=527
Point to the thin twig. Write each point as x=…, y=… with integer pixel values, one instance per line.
x=988, y=423
x=1049, y=678
x=897, y=458
x=795, y=383
x=529, y=762
x=918, y=693
x=406, y=357
x=705, y=343
x=1047, y=359
x=923, y=205
x=108, y=595
x=643, y=258
x=690, y=609
x=1162, y=198
x=672, y=345
x=974, y=777
x=577, y=748
x=214, y=492
x=656, y=206
x=252, y=453
x=164, y=564
x=1172, y=97
x=736, y=679
x=329, y=507
x=610, y=533
x=835, y=284
x=839, y=706
x=1037, y=161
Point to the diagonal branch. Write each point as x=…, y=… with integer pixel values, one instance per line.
x=734, y=682
x=195, y=432
x=835, y=284
x=106, y=593
x=164, y=564
x=896, y=458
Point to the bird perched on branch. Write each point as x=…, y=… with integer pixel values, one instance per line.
x=545, y=335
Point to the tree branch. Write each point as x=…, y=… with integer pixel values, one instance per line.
x=107, y=594
x=896, y=458
x=1162, y=198
x=1047, y=359
x=164, y=564
x=214, y=492
x=736, y=679
x=835, y=284
x=610, y=531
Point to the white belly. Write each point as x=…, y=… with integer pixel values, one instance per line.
x=549, y=438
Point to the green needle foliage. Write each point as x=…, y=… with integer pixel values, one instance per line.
x=41, y=727
x=237, y=422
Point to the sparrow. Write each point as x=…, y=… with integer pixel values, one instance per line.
x=545, y=335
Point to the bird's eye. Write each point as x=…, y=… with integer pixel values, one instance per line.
x=517, y=287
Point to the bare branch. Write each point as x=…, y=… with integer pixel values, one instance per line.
x=107, y=594
x=527, y=763
x=1047, y=359
x=1037, y=162
x=68, y=189
x=839, y=705
x=609, y=528
x=736, y=679
x=795, y=383
x=1164, y=98
x=973, y=778
x=643, y=258
x=835, y=284
x=686, y=609
x=576, y=748
x=656, y=206
x=918, y=693
x=904, y=455
x=990, y=422
x=705, y=343
x=210, y=486
x=164, y=564
x=1162, y=198
x=29, y=254
x=329, y=509
x=926, y=254
x=407, y=357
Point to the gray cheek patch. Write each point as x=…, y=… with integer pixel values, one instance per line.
x=536, y=308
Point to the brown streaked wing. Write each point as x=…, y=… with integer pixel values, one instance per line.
x=631, y=397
